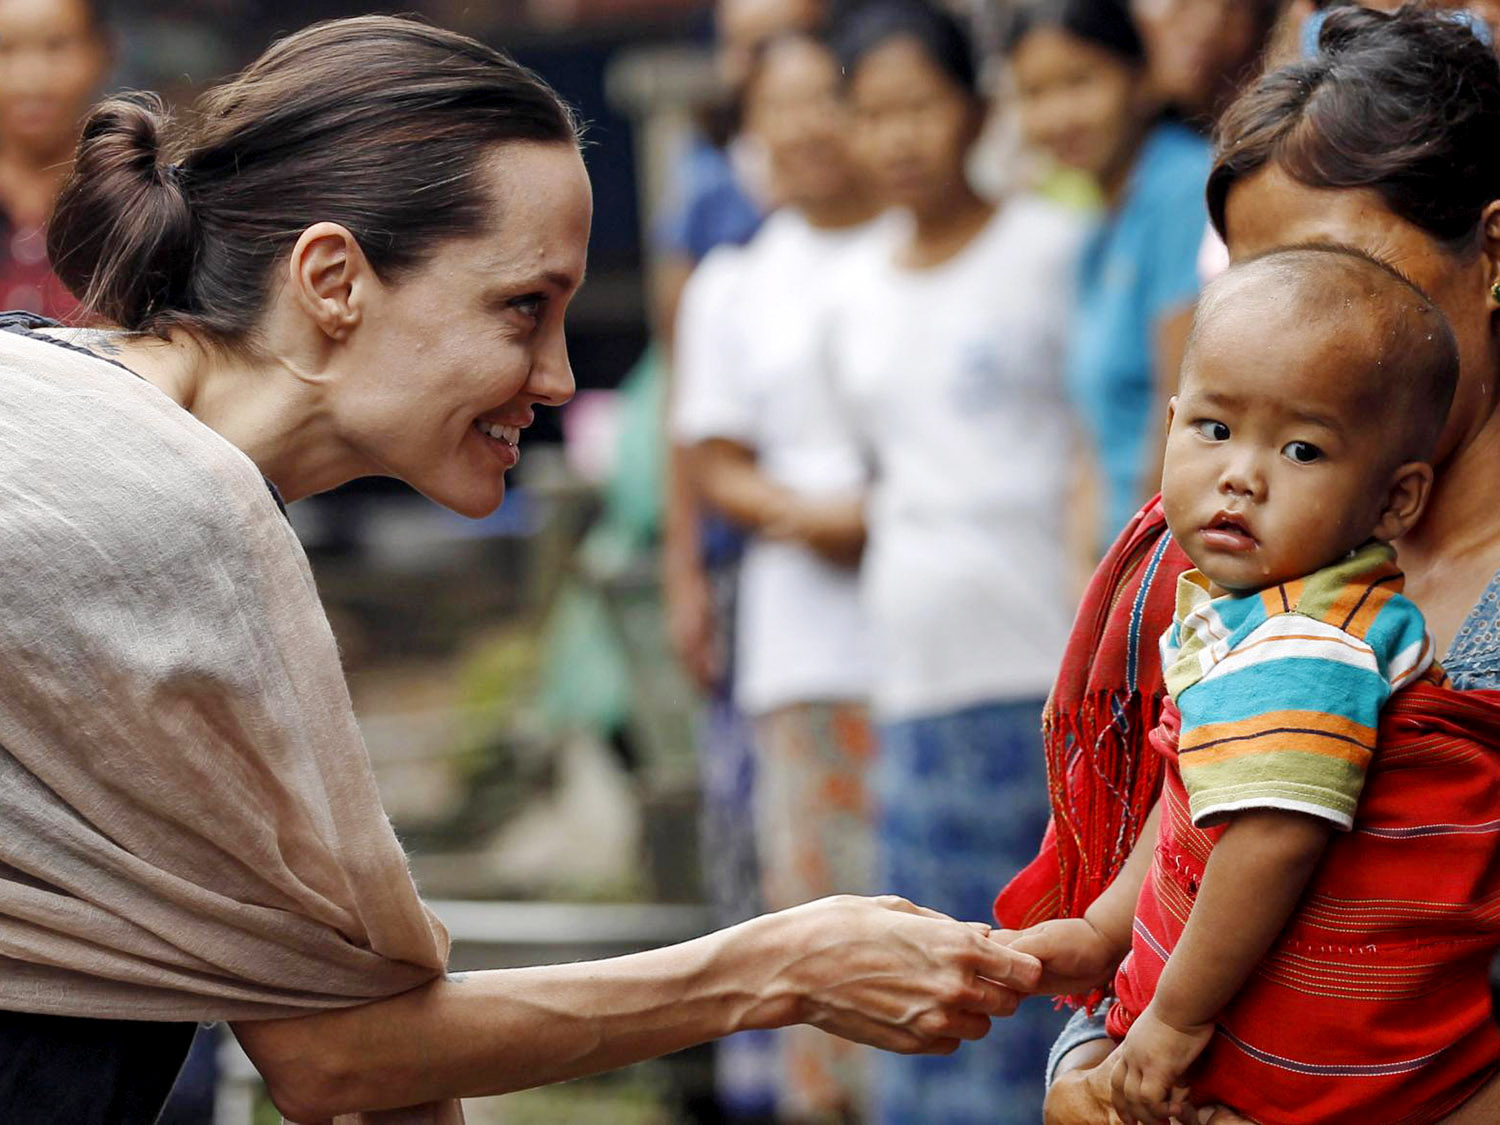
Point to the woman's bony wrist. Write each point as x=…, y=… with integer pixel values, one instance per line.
x=754, y=968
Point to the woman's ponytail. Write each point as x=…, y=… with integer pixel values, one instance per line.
x=122, y=234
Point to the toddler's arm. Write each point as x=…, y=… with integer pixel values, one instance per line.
x=1080, y=954
x=1255, y=875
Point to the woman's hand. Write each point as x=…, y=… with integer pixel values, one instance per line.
x=887, y=973
x=1076, y=957
x=1081, y=1095
x=1146, y=1069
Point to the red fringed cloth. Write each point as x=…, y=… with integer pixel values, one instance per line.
x=1374, y=1005
x=1103, y=776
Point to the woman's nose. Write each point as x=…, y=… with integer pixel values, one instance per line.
x=551, y=380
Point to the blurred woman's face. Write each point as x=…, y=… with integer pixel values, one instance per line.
x=52, y=61
x=794, y=109
x=1198, y=49
x=1269, y=209
x=1082, y=104
x=913, y=125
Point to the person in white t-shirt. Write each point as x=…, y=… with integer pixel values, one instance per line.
x=946, y=345
x=766, y=451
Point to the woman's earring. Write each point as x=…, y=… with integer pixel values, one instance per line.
x=1495, y=292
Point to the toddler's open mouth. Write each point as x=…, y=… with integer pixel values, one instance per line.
x=1228, y=531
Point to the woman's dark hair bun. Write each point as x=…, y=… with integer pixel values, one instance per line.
x=122, y=234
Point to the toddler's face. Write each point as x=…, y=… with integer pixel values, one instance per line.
x=1276, y=463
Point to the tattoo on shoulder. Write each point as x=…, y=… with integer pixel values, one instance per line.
x=97, y=340
x=458, y=978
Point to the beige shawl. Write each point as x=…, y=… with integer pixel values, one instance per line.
x=189, y=827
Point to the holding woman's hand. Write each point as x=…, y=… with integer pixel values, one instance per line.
x=885, y=972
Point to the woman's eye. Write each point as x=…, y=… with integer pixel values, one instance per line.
x=530, y=306
x=1302, y=452
x=1212, y=429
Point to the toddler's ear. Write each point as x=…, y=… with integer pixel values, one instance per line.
x=1171, y=412
x=1406, y=497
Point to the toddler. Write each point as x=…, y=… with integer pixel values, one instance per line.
x=1314, y=387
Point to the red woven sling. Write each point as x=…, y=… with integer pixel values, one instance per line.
x=1374, y=1005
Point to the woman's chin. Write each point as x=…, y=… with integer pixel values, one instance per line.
x=472, y=502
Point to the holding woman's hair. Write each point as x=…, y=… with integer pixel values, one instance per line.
x=1362, y=114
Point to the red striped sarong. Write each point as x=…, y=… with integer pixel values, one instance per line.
x=1374, y=1004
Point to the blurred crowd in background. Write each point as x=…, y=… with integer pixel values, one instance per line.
x=886, y=301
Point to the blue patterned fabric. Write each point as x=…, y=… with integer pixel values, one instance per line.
x=963, y=802
x=1473, y=660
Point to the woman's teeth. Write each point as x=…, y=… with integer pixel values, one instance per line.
x=511, y=435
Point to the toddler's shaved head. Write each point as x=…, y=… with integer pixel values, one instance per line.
x=1381, y=332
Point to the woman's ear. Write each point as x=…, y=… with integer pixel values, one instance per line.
x=1489, y=229
x=1405, y=500
x=328, y=276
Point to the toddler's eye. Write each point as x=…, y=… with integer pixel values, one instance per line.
x=1303, y=452
x=1212, y=429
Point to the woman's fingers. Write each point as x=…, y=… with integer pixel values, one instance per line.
x=901, y=977
x=906, y=906
x=993, y=999
x=1006, y=966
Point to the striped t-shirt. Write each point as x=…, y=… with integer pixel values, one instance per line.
x=1280, y=690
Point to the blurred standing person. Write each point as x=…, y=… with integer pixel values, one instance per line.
x=1084, y=95
x=945, y=346
x=54, y=55
x=717, y=205
x=720, y=204
x=767, y=453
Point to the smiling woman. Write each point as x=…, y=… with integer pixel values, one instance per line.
x=356, y=259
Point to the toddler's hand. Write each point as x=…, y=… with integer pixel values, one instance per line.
x=1147, y=1069
x=1075, y=956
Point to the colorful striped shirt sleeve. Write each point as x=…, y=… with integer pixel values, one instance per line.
x=1286, y=720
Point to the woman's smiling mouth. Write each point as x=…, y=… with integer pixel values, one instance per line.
x=504, y=441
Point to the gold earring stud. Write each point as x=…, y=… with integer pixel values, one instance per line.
x=1495, y=292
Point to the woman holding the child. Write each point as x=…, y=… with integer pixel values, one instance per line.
x=1383, y=142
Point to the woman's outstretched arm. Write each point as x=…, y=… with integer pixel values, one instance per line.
x=879, y=971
